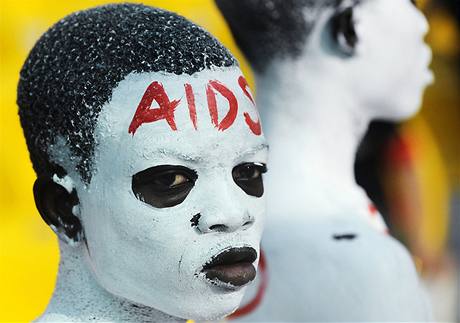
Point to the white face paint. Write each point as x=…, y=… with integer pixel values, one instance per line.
x=391, y=68
x=154, y=256
x=388, y=70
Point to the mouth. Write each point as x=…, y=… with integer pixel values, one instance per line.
x=232, y=267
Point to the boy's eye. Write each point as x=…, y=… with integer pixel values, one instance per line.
x=164, y=186
x=248, y=177
x=170, y=180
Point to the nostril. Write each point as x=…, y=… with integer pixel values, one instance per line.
x=218, y=228
x=247, y=223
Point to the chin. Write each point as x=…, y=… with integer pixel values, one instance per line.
x=215, y=308
x=405, y=107
x=204, y=302
x=405, y=112
x=211, y=314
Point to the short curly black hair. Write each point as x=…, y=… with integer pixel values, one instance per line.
x=74, y=67
x=269, y=29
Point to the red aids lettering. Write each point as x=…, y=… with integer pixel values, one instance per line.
x=228, y=120
x=253, y=125
x=191, y=103
x=144, y=113
x=244, y=86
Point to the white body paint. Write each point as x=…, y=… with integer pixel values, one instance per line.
x=368, y=279
x=134, y=253
x=315, y=110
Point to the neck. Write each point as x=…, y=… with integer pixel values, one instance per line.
x=314, y=128
x=79, y=298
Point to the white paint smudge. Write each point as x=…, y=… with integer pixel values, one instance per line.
x=66, y=182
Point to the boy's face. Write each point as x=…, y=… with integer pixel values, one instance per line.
x=174, y=212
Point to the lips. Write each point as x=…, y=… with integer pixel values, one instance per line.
x=232, y=266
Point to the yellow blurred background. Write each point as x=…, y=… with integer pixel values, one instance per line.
x=29, y=254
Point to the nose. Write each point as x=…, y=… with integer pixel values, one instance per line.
x=225, y=210
x=224, y=222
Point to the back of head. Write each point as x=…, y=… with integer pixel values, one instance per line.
x=73, y=68
x=349, y=42
x=266, y=29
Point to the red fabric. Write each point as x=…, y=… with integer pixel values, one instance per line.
x=255, y=302
x=372, y=209
x=399, y=152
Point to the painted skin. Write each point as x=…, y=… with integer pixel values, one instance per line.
x=165, y=247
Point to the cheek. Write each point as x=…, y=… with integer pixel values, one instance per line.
x=115, y=222
x=150, y=241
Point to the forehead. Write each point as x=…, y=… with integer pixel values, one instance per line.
x=206, y=115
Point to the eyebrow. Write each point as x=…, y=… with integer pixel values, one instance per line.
x=255, y=149
x=178, y=154
x=195, y=158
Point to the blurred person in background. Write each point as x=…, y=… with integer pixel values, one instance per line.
x=412, y=170
x=323, y=71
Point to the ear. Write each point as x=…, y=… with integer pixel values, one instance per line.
x=343, y=30
x=55, y=205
